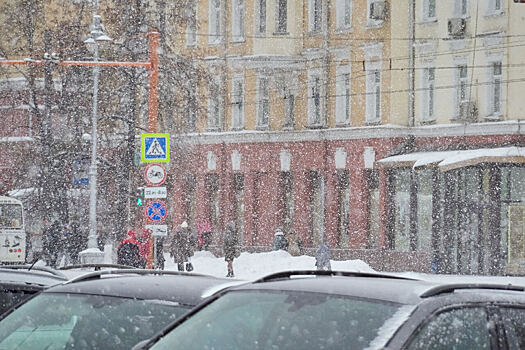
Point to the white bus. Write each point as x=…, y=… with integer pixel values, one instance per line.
x=12, y=232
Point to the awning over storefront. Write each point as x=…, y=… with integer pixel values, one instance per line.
x=449, y=160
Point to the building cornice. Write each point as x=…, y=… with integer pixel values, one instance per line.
x=358, y=133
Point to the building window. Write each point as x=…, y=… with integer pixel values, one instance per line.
x=401, y=180
x=282, y=16
x=372, y=181
x=461, y=87
x=343, y=208
x=343, y=10
x=238, y=103
x=263, y=102
x=289, y=109
x=315, y=100
x=212, y=189
x=260, y=16
x=317, y=208
x=215, y=21
x=190, y=199
x=315, y=15
x=238, y=205
x=373, y=93
x=429, y=10
x=287, y=200
x=429, y=90
x=192, y=106
x=461, y=8
x=214, y=106
x=342, y=100
x=495, y=100
x=238, y=20
x=191, y=25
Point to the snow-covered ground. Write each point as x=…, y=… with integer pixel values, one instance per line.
x=250, y=266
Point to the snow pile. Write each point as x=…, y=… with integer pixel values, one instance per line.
x=251, y=266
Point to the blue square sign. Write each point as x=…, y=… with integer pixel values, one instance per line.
x=155, y=148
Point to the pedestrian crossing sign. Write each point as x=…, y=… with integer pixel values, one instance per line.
x=155, y=148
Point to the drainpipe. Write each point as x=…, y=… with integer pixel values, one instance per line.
x=411, y=63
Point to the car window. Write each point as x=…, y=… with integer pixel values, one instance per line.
x=281, y=320
x=457, y=329
x=74, y=321
x=514, y=321
x=9, y=298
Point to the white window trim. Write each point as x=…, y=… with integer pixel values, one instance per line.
x=371, y=88
x=312, y=74
x=238, y=20
x=459, y=62
x=341, y=26
x=311, y=21
x=372, y=23
x=257, y=19
x=211, y=101
x=424, y=11
x=277, y=31
x=259, y=124
x=214, y=38
x=490, y=113
x=191, y=33
x=238, y=120
x=492, y=11
x=425, y=84
x=457, y=9
x=341, y=107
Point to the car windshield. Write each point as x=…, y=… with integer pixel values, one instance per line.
x=284, y=320
x=76, y=321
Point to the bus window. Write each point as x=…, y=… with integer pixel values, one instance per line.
x=10, y=216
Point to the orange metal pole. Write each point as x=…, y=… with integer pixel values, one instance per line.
x=153, y=81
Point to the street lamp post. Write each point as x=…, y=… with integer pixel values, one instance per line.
x=93, y=253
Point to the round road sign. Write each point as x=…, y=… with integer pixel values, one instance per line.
x=156, y=211
x=155, y=174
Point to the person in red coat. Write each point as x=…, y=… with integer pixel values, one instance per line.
x=128, y=251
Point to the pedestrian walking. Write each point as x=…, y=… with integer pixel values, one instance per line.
x=279, y=240
x=295, y=244
x=128, y=251
x=181, y=247
x=204, y=232
x=322, y=257
x=230, y=246
x=51, y=244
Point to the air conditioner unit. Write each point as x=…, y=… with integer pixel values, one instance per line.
x=457, y=27
x=378, y=10
x=468, y=111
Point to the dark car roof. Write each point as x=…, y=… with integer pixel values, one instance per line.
x=403, y=291
x=185, y=288
x=386, y=287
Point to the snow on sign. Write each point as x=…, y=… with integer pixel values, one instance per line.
x=156, y=211
x=155, y=174
x=155, y=148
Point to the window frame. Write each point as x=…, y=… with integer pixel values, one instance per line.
x=315, y=16
x=215, y=104
x=425, y=11
x=460, y=83
x=341, y=8
x=279, y=17
x=373, y=95
x=316, y=85
x=238, y=20
x=191, y=26
x=238, y=102
x=429, y=94
x=260, y=18
x=343, y=99
x=263, y=102
x=214, y=22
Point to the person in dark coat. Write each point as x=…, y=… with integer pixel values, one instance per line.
x=204, y=231
x=77, y=242
x=230, y=246
x=295, y=244
x=322, y=257
x=279, y=240
x=181, y=247
x=128, y=252
x=51, y=244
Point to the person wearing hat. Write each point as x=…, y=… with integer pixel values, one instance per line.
x=279, y=240
x=181, y=247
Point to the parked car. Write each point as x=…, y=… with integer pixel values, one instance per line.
x=340, y=310
x=110, y=309
x=20, y=282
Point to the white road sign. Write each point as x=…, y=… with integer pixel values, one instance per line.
x=155, y=192
x=158, y=230
x=155, y=175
